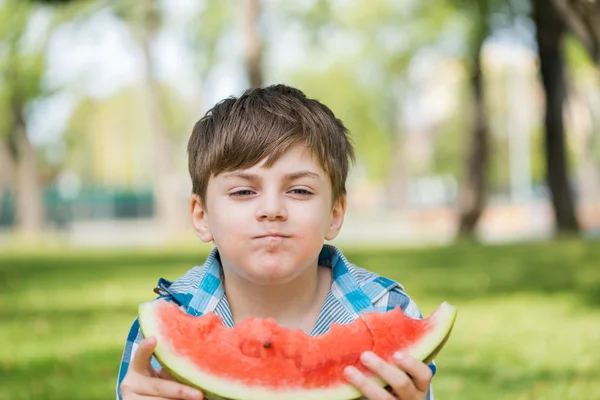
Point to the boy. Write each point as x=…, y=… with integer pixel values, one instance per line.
x=268, y=172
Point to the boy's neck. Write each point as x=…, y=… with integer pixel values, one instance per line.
x=295, y=305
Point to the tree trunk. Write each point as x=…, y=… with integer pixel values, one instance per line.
x=473, y=192
x=165, y=188
x=29, y=203
x=550, y=30
x=583, y=18
x=252, y=43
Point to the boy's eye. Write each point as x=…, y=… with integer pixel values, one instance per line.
x=244, y=192
x=303, y=192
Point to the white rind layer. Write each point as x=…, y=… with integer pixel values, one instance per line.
x=228, y=389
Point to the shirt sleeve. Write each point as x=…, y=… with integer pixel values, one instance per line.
x=398, y=298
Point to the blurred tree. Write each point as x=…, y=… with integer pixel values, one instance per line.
x=364, y=52
x=472, y=194
x=584, y=112
x=550, y=31
x=22, y=66
x=20, y=82
x=207, y=31
x=144, y=19
x=477, y=17
x=111, y=133
x=583, y=18
x=253, y=46
x=25, y=30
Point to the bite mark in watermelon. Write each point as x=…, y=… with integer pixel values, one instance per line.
x=259, y=360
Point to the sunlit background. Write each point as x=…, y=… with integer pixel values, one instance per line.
x=477, y=130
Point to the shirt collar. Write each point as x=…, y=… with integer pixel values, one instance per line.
x=353, y=290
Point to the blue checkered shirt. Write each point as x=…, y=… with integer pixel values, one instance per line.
x=353, y=291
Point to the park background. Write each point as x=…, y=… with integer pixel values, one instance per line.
x=476, y=124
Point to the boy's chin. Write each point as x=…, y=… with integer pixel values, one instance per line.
x=271, y=275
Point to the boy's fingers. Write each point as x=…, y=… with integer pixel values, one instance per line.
x=143, y=356
x=419, y=372
x=163, y=374
x=399, y=381
x=368, y=387
x=171, y=390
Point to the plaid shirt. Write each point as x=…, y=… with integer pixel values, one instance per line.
x=353, y=291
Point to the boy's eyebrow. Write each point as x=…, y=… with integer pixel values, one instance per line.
x=289, y=177
x=242, y=175
x=301, y=174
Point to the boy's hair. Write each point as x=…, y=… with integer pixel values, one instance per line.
x=263, y=123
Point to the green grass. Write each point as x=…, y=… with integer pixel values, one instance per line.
x=528, y=324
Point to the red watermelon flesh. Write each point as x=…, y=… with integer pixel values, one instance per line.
x=258, y=359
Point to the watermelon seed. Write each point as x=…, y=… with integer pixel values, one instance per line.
x=267, y=345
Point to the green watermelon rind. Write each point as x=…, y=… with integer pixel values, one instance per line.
x=216, y=388
x=431, y=344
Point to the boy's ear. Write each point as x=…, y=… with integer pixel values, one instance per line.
x=337, y=218
x=199, y=219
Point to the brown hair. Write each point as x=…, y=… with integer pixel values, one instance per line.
x=263, y=123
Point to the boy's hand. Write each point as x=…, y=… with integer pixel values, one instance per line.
x=409, y=379
x=142, y=382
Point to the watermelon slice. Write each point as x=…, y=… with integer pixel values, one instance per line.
x=259, y=360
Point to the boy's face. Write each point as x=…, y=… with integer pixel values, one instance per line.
x=269, y=224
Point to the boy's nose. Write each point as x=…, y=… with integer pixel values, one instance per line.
x=271, y=208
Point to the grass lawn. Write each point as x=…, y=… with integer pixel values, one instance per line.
x=528, y=324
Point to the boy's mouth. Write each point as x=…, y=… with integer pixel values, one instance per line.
x=272, y=235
